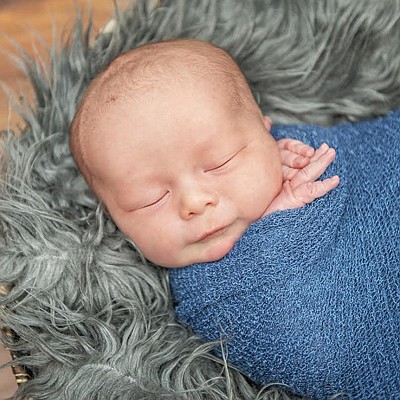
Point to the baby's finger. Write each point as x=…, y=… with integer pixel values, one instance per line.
x=296, y=146
x=310, y=191
x=315, y=169
x=293, y=160
x=320, y=151
x=288, y=173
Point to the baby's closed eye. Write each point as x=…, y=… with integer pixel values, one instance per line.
x=221, y=163
x=146, y=201
x=158, y=200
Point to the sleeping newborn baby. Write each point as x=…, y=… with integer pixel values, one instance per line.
x=170, y=139
x=183, y=158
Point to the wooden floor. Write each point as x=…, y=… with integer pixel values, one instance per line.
x=19, y=20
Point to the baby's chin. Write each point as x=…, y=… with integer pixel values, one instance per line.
x=206, y=250
x=214, y=252
x=212, y=249
x=216, y=249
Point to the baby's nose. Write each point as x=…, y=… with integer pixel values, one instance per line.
x=195, y=201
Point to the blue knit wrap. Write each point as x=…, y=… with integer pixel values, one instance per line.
x=311, y=297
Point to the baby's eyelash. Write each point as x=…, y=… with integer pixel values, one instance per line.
x=156, y=202
x=224, y=163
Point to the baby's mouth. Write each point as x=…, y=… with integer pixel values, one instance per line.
x=210, y=234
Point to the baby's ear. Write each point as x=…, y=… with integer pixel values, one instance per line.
x=267, y=122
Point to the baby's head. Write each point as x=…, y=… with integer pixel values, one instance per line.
x=170, y=139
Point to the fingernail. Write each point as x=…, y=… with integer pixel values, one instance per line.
x=323, y=146
x=310, y=152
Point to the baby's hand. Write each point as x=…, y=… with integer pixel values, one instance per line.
x=295, y=155
x=303, y=187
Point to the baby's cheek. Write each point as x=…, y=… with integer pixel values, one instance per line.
x=138, y=230
x=253, y=202
x=162, y=244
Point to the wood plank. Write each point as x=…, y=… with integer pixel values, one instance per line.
x=7, y=381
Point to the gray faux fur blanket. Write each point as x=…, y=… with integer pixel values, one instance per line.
x=93, y=320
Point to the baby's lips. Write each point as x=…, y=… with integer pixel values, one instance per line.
x=211, y=233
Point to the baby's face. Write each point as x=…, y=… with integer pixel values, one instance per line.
x=182, y=175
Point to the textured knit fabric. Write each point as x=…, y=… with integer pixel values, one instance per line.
x=311, y=297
